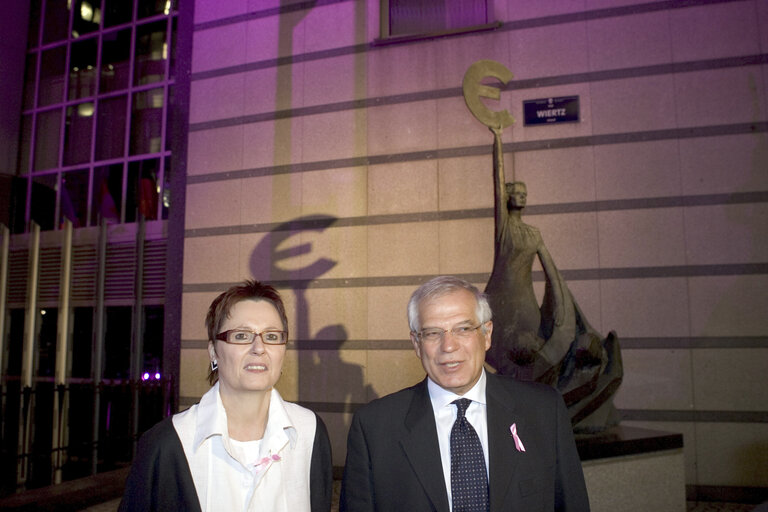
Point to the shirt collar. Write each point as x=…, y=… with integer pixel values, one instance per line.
x=441, y=397
x=212, y=421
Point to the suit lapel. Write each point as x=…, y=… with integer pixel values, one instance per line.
x=422, y=449
x=502, y=454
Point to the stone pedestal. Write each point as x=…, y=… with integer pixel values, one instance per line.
x=634, y=470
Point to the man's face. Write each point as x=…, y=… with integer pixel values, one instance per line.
x=453, y=362
x=518, y=195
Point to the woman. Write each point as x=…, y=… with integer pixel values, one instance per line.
x=242, y=447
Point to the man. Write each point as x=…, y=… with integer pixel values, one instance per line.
x=405, y=454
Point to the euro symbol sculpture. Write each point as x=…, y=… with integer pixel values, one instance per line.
x=474, y=90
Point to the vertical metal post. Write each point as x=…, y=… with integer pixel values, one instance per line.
x=26, y=411
x=61, y=399
x=137, y=340
x=4, y=256
x=98, y=341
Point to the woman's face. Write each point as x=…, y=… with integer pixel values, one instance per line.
x=518, y=195
x=254, y=367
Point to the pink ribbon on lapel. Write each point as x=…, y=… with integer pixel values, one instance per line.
x=518, y=442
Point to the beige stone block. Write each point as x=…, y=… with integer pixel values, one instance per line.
x=651, y=307
x=272, y=143
x=219, y=47
x=332, y=376
x=398, y=69
x=656, y=379
x=583, y=128
x=523, y=10
x=688, y=430
x=638, y=170
x=714, y=31
x=466, y=246
x=333, y=308
x=207, y=260
x=335, y=192
x=631, y=105
x=729, y=305
x=465, y=183
x=268, y=256
x=457, y=126
x=723, y=234
x=732, y=454
x=334, y=135
x=273, y=36
x=725, y=164
x=215, y=98
x=534, y=52
x=392, y=370
x=403, y=249
x=465, y=51
x=629, y=41
x=641, y=238
x=271, y=89
x=215, y=150
x=212, y=204
x=571, y=239
x=600, y=4
x=343, y=251
x=657, y=482
x=402, y=187
x=288, y=383
x=335, y=79
x=731, y=379
x=266, y=199
x=719, y=96
x=402, y=128
x=564, y=175
x=337, y=25
x=210, y=11
x=387, y=312
x=193, y=375
x=762, y=20
x=194, y=308
x=337, y=424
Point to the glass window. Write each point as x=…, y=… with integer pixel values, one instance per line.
x=43, y=202
x=19, y=205
x=77, y=134
x=141, y=196
x=47, y=139
x=46, y=342
x=149, y=8
x=56, y=20
x=106, y=200
x=147, y=122
x=74, y=197
x=117, y=12
x=151, y=53
x=110, y=129
x=82, y=342
x=30, y=72
x=115, y=60
x=431, y=16
x=117, y=342
x=87, y=16
x=51, y=87
x=33, y=37
x=82, y=68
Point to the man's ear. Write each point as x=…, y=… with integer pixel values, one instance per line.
x=416, y=345
x=488, y=332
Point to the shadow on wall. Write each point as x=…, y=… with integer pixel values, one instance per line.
x=285, y=259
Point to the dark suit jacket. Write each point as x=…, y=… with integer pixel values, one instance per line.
x=393, y=457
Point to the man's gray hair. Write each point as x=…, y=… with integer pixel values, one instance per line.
x=443, y=285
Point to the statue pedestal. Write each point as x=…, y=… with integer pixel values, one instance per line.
x=633, y=469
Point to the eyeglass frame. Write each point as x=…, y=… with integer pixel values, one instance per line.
x=466, y=332
x=222, y=336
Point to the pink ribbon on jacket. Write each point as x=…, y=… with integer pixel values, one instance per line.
x=518, y=442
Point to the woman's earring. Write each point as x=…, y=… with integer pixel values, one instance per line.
x=214, y=365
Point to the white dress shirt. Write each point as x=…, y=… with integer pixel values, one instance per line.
x=445, y=416
x=270, y=474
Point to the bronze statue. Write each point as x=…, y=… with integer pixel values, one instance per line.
x=551, y=343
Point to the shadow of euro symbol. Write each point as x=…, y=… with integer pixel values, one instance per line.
x=474, y=90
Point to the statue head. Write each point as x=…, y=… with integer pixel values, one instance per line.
x=517, y=194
